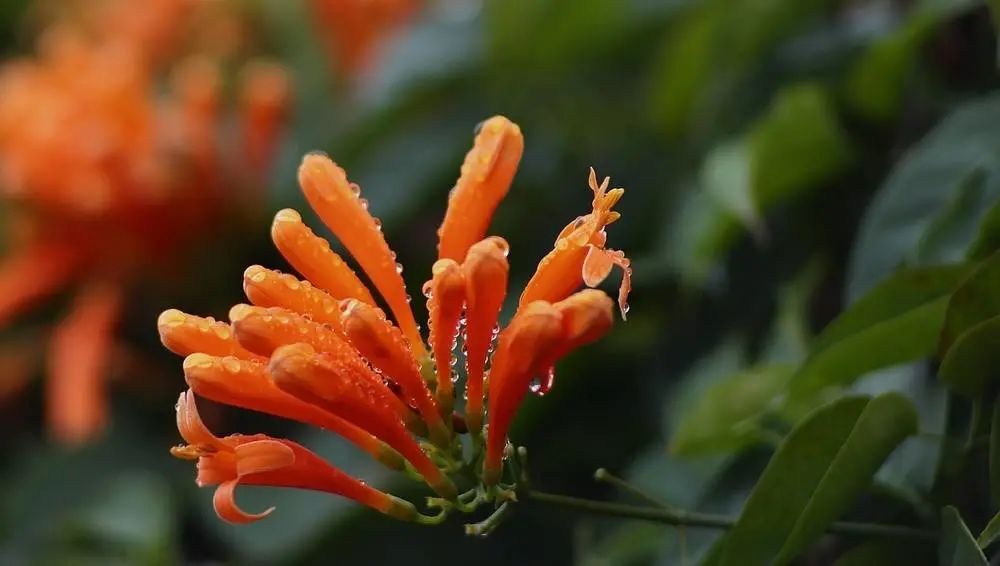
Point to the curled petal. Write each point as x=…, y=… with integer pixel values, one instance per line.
x=579, y=255
x=487, y=173
x=226, y=508
x=261, y=456
x=311, y=256
x=77, y=408
x=190, y=425
x=185, y=334
x=486, y=272
x=338, y=203
x=268, y=288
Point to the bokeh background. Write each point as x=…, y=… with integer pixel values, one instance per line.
x=750, y=135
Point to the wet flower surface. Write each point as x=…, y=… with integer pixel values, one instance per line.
x=322, y=351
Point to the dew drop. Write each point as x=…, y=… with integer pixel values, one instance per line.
x=356, y=189
x=363, y=203
x=232, y=365
x=626, y=308
x=427, y=290
x=399, y=268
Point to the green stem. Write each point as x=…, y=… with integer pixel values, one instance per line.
x=711, y=521
x=605, y=476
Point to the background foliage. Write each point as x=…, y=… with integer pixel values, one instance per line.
x=813, y=212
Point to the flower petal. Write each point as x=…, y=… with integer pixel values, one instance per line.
x=269, y=288
x=261, y=330
x=77, y=408
x=261, y=456
x=445, y=294
x=321, y=380
x=264, y=99
x=47, y=266
x=185, y=334
x=337, y=202
x=311, y=256
x=383, y=345
x=524, y=350
x=226, y=508
x=247, y=385
x=487, y=173
x=486, y=272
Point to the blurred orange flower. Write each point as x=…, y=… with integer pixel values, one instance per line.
x=322, y=352
x=355, y=30
x=107, y=179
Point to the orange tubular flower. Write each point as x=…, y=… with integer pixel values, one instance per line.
x=112, y=178
x=334, y=359
x=355, y=29
x=261, y=460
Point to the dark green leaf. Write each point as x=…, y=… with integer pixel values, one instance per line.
x=898, y=321
x=957, y=547
x=817, y=473
x=974, y=301
x=971, y=364
x=994, y=455
x=991, y=533
x=925, y=191
x=724, y=418
x=882, y=553
x=988, y=235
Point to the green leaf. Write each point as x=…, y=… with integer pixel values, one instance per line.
x=898, y=321
x=987, y=235
x=818, y=472
x=726, y=179
x=797, y=145
x=970, y=366
x=994, y=454
x=882, y=553
x=724, y=418
x=974, y=301
x=930, y=192
x=991, y=533
x=957, y=547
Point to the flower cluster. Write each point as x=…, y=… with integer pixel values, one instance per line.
x=320, y=351
x=354, y=30
x=107, y=177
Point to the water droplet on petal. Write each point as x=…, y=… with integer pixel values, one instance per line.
x=399, y=268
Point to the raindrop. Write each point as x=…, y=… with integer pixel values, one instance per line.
x=364, y=203
x=356, y=189
x=399, y=268
x=232, y=365
x=428, y=290
x=626, y=308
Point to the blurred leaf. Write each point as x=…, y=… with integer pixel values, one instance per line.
x=988, y=235
x=994, y=454
x=974, y=301
x=700, y=233
x=724, y=419
x=725, y=176
x=797, y=145
x=875, y=83
x=991, y=533
x=711, y=43
x=818, y=472
x=134, y=519
x=897, y=321
x=957, y=548
x=684, y=67
x=926, y=191
x=881, y=553
x=970, y=366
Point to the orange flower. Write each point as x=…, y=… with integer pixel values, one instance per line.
x=354, y=30
x=111, y=180
x=336, y=360
x=262, y=460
